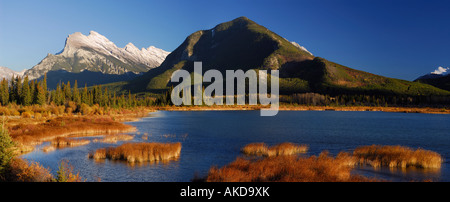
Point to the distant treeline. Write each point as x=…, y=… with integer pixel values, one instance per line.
x=24, y=92
x=315, y=99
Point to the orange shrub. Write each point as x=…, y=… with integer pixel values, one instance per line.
x=22, y=171
x=37, y=115
x=26, y=114
x=85, y=109
x=65, y=173
x=4, y=111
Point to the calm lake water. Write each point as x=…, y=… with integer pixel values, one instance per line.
x=214, y=138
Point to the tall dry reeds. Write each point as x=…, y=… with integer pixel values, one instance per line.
x=60, y=142
x=261, y=149
x=32, y=134
x=397, y=156
x=139, y=152
x=288, y=169
x=114, y=138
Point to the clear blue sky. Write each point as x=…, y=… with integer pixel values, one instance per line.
x=400, y=39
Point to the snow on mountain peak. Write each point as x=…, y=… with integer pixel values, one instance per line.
x=8, y=73
x=92, y=32
x=441, y=71
x=100, y=44
x=131, y=47
x=95, y=52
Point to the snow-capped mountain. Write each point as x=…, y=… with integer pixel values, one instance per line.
x=96, y=53
x=439, y=72
x=442, y=71
x=8, y=73
x=439, y=78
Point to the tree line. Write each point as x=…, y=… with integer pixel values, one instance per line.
x=316, y=99
x=24, y=92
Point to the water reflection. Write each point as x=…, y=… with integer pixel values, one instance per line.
x=138, y=164
x=401, y=174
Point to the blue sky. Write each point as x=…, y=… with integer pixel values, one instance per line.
x=400, y=39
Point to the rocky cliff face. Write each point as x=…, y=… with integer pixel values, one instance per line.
x=96, y=53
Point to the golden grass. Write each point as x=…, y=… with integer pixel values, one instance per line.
x=60, y=142
x=114, y=138
x=397, y=156
x=261, y=149
x=49, y=148
x=34, y=134
x=31, y=125
x=14, y=110
x=255, y=149
x=140, y=152
x=288, y=169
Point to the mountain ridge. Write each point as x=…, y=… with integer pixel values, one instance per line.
x=8, y=73
x=244, y=44
x=96, y=53
x=439, y=78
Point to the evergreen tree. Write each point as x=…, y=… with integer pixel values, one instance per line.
x=6, y=150
x=16, y=90
x=4, y=92
x=76, y=94
x=44, y=86
x=67, y=92
x=40, y=97
x=26, y=96
x=32, y=90
x=53, y=96
x=130, y=99
x=85, y=95
x=59, y=95
x=97, y=95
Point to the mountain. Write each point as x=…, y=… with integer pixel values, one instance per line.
x=439, y=72
x=8, y=73
x=244, y=44
x=440, y=78
x=95, y=53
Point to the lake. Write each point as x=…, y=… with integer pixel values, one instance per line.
x=214, y=138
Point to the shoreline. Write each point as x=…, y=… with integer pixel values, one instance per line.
x=424, y=110
x=33, y=133
x=25, y=148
